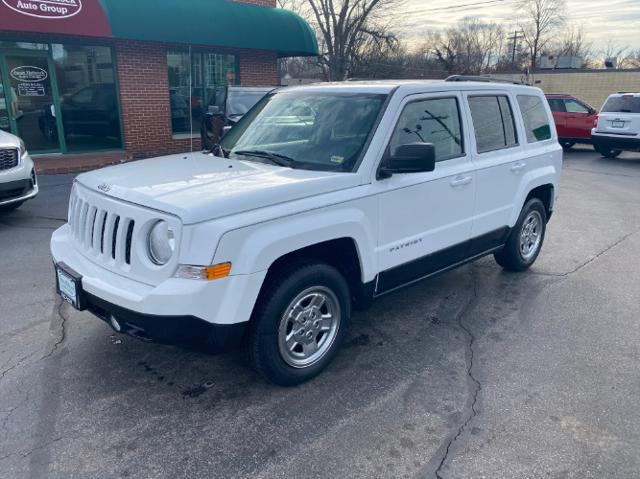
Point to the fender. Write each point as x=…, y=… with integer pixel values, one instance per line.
x=256, y=248
x=533, y=179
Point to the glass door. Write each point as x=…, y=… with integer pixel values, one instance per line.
x=5, y=124
x=29, y=100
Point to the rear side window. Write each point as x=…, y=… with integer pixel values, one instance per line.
x=493, y=123
x=556, y=104
x=434, y=121
x=536, y=120
x=622, y=104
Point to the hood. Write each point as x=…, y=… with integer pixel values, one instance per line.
x=8, y=140
x=198, y=187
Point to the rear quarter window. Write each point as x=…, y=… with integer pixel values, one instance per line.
x=536, y=121
x=622, y=104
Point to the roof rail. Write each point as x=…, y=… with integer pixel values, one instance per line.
x=481, y=79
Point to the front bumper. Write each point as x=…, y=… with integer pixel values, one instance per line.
x=175, y=330
x=616, y=142
x=169, y=310
x=18, y=190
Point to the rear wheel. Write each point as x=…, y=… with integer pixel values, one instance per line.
x=299, y=323
x=608, y=152
x=526, y=238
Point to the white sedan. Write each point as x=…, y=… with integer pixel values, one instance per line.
x=18, y=182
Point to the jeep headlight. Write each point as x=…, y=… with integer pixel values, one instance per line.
x=161, y=243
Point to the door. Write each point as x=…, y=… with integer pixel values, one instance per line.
x=579, y=119
x=559, y=116
x=501, y=164
x=425, y=218
x=30, y=100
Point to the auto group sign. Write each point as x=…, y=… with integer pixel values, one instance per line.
x=61, y=17
x=46, y=8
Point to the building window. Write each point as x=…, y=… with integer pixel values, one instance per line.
x=88, y=97
x=193, y=80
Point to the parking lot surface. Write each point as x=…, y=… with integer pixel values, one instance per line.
x=475, y=373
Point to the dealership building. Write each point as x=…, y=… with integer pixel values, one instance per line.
x=133, y=76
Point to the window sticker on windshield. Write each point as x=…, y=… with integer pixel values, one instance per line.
x=337, y=159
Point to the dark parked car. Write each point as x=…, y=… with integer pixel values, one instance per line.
x=574, y=119
x=91, y=111
x=225, y=108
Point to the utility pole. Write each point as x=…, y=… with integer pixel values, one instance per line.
x=516, y=37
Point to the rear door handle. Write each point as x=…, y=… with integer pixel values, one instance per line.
x=518, y=166
x=461, y=181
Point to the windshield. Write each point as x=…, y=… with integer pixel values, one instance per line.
x=240, y=102
x=312, y=130
x=622, y=104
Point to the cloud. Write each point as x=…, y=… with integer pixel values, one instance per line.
x=616, y=20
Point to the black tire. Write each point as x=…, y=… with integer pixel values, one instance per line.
x=511, y=257
x=286, y=286
x=608, y=152
x=567, y=145
x=11, y=206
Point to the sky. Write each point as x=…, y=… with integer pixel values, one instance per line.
x=603, y=20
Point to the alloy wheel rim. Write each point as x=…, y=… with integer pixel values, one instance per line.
x=309, y=326
x=531, y=235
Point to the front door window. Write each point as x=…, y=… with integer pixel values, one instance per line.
x=29, y=100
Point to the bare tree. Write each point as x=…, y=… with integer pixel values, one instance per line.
x=574, y=43
x=538, y=21
x=345, y=27
x=612, y=50
x=471, y=47
x=632, y=60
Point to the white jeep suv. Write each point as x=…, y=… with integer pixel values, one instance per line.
x=618, y=126
x=322, y=198
x=18, y=182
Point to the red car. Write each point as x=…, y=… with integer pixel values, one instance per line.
x=574, y=119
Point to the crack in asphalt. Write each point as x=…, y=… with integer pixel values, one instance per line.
x=443, y=453
x=590, y=260
x=61, y=328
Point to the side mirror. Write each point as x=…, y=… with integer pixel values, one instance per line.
x=410, y=158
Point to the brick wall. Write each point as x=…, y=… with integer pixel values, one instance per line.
x=592, y=86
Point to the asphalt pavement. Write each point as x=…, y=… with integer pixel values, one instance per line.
x=476, y=373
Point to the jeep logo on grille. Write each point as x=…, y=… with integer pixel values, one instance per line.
x=48, y=9
x=104, y=187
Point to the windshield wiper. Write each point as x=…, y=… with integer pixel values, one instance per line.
x=275, y=158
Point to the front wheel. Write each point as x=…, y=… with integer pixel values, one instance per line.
x=526, y=238
x=299, y=323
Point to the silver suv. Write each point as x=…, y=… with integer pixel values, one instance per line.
x=618, y=126
x=18, y=181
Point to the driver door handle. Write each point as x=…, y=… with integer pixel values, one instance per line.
x=461, y=181
x=518, y=166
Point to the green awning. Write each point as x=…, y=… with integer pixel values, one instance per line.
x=211, y=22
